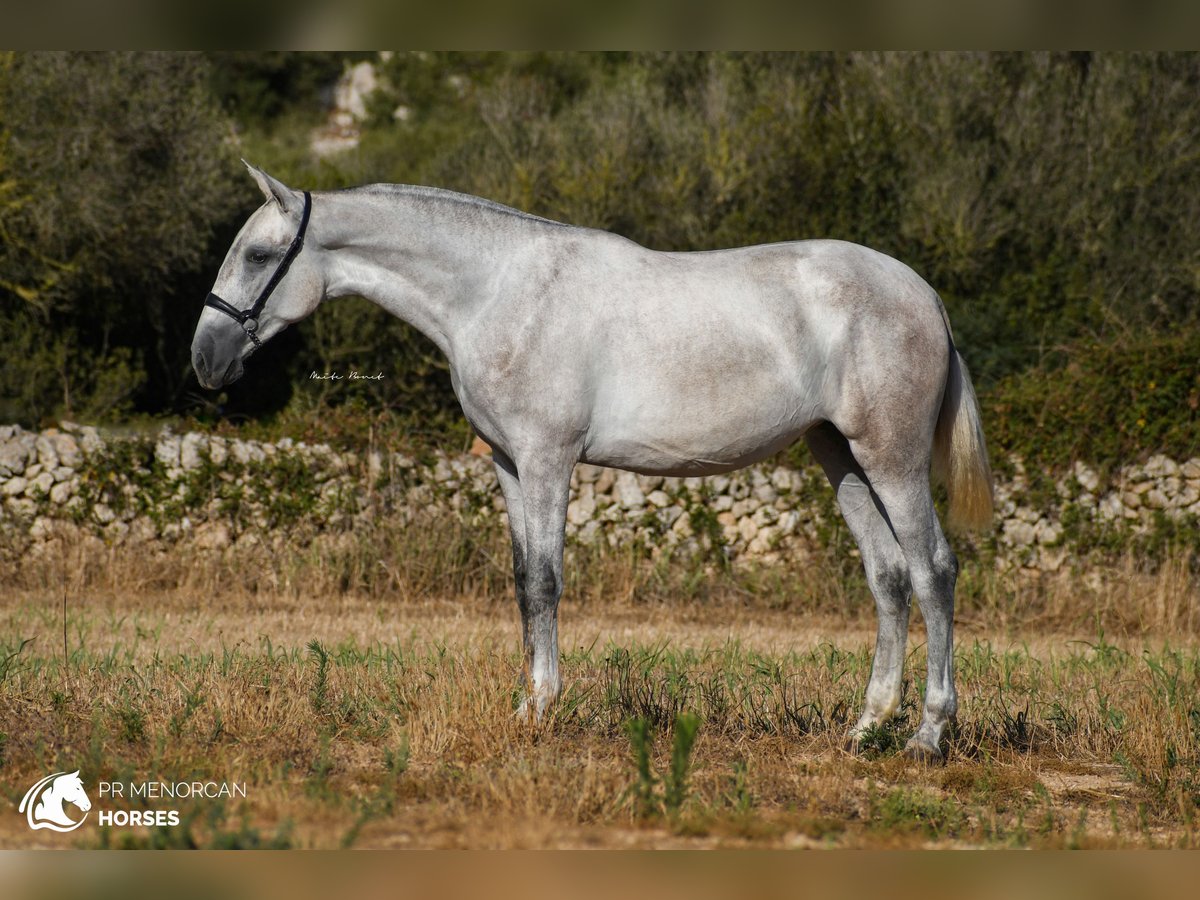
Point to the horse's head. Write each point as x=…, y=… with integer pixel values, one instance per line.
x=69, y=788
x=265, y=284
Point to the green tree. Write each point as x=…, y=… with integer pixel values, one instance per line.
x=25, y=272
x=124, y=171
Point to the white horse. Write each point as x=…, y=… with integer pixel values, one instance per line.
x=569, y=344
x=43, y=803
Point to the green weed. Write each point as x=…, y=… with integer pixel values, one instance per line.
x=649, y=801
x=687, y=726
x=738, y=795
x=638, y=731
x=320, y=689
x=911, y=810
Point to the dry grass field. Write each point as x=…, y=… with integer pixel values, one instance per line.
x=702, y=709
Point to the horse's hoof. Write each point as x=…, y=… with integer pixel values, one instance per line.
x=926, y=754
x=533, y=710
x=527, y=711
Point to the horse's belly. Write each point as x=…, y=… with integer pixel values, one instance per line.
x=662, y=458
x=695, y=434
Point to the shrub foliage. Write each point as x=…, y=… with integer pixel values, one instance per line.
x=1051, y=198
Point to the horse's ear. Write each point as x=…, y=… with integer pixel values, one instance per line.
x=289, y=201
x=73, y=774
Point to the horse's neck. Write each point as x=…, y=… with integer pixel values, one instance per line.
x=424, y=261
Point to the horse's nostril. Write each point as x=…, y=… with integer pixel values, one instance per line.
x=200, y=364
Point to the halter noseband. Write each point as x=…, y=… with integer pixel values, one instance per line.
x=248, y=318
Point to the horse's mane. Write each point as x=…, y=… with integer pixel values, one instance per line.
x=441, y=195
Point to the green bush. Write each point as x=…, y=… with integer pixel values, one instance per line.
x=1051, y=198
x=1102, y=402
x=123, y=173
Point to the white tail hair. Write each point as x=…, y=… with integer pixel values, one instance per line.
x=960, y=459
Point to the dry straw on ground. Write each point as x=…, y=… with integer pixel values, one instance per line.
x=384, y=717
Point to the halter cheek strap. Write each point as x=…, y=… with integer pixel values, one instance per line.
x=248, y=318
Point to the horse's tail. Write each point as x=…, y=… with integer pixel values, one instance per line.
x=960, y=459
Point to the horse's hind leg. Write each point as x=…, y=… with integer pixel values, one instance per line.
x=886, y=570
x=901, y=481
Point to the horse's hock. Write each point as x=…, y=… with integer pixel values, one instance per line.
x=216, y=492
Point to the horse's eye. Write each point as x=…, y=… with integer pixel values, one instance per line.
x=258, y=257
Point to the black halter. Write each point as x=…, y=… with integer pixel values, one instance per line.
x=248, y=318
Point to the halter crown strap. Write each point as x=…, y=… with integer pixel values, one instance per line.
x=248, y=318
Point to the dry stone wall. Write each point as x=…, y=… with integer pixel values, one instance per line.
x=222, y=492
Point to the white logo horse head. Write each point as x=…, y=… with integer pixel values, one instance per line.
x=43, y=803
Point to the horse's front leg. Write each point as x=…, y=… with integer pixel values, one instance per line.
x=510, y=487
x=540, y=488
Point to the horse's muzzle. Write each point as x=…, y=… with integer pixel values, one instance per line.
x=209, y=371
